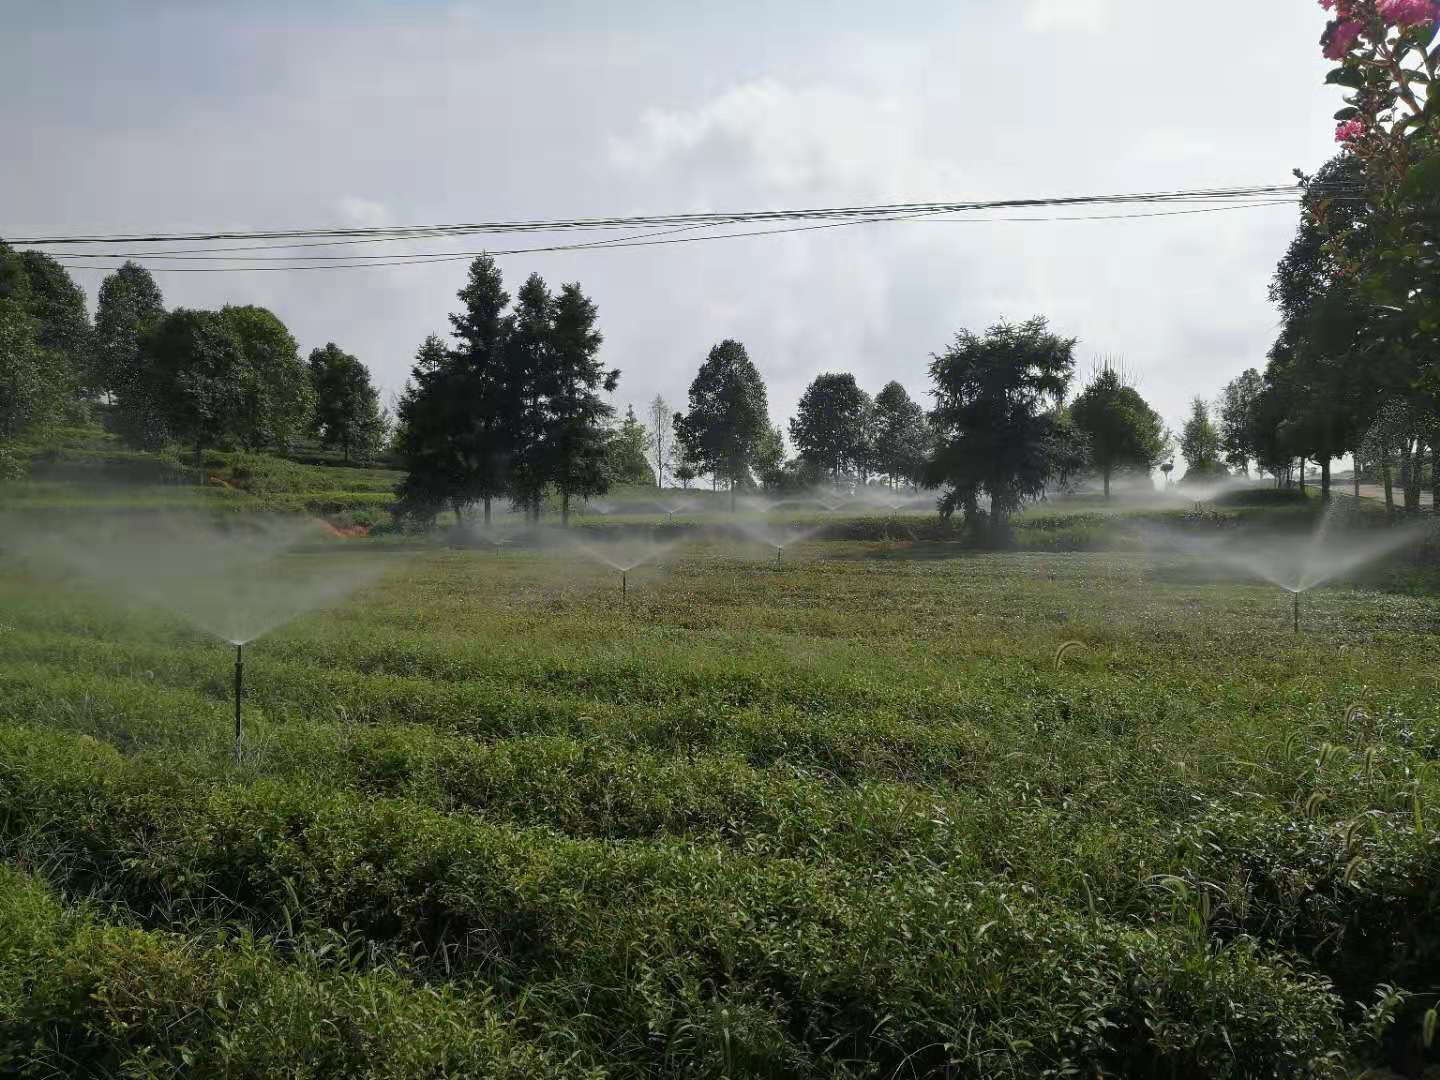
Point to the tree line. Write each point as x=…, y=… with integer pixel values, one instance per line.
x=1354, y=368
x=511, y=405
x=183, y=377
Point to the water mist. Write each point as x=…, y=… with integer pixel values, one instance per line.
x=236, y=578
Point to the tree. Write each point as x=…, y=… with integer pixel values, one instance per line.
x=62, y=320
x=832, y=423
x=276, y=401
x=574, y=437
x=661, y=437
x=626, y=453
x=129, y=310
x=1239, y=420
x=770, y=459
x=436, y=470
x=1200, y=442
x=728, y=416
x=33, y=378
x=1119, y=426
x=29, y=378
x=529, y=355
x=901, y=436
x=1327, y=373
x=196, y=377
x=460, y=402
x=347, y=406
x=995, y=418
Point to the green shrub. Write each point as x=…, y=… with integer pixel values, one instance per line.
x=77, y=998
x=670, y=945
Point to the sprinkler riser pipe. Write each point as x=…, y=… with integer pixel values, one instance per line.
x=239, y=695
x=1297, y=612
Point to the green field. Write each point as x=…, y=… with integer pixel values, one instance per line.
x=863, y=815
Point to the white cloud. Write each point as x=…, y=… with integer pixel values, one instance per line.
x=1047, y=15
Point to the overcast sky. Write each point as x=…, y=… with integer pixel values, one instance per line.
x=138, y=117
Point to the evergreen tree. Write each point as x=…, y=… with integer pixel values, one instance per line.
x=627, y=453
x=347, y=407
x=1200, y=442
x=528, y=358
x=728, y=416
x=574, y=437
x=435, y=470
x=457, y=443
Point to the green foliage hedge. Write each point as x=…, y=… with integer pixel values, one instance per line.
x=78, y=998
x=674, y=952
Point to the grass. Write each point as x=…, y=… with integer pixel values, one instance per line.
x=865, y=815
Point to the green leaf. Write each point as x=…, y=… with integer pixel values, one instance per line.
x=1347, y=113
x=1346, y=76
x=1423, y=179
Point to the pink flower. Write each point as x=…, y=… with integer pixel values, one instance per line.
x=1351, y=131
x=1340, y=37
x=1407, y=12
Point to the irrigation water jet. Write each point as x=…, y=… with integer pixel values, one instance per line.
x=1295, y=564
x=622, y=556
x=776, y=536
x=236, y=579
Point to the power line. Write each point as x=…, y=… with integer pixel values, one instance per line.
x=1201, y=201
x=668, y=220
x=362, y=262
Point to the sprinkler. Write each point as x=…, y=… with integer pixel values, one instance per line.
x=779, y=552
x=239, y=693
x=624, y=586
x=1297, y=611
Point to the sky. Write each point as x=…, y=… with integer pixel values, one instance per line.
x=137, y=117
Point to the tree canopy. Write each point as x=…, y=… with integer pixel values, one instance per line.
x=995, y=418
x=831, y=426
x=1200, y=442
x=347, y=406
x=728, y=419
x=1119, y=426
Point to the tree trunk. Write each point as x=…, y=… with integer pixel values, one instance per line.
x=1409, y=478
x=1105, y=472
x=1435, y=476
x=565, y=508
x=734, y=490
x=1357, y=478
x=1389, y=481
x=1325, y=479
x=487, y=511
x=1302, y=476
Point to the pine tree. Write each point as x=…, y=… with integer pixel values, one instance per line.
x=528, y=357
x=574, y=439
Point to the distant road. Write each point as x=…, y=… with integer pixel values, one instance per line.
x=1376, y=491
